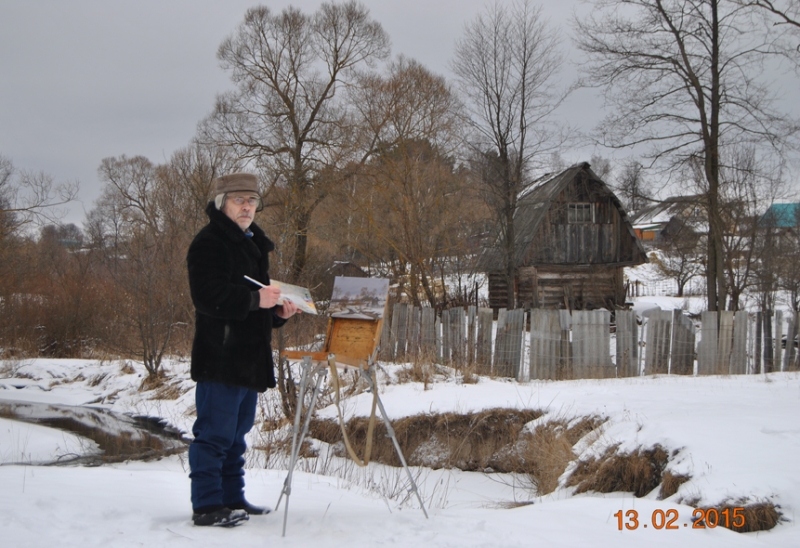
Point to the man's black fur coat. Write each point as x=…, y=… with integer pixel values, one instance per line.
x=233, y=337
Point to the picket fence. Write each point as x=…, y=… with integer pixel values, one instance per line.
x=559, y=344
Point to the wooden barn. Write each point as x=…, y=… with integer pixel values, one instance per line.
x=573, y=241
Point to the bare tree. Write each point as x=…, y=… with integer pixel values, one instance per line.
x=506, y=64
x=7, y=218
x=417, y=208
x=287, y=113
x=133, y=225
x=602, y=167
x=680, y=257
x=6, y=171
x=406, y=102
x=632, y=187
x=69, y=307
x=786, y=12
x=749, y=183
x=185, y=184
x=687, y=78
x=628, y=183
x=26, y=197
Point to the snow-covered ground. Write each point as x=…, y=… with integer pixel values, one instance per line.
x=737, y=437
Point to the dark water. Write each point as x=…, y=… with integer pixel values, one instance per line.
x=119, y=437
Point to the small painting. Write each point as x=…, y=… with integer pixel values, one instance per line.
x=359, y=298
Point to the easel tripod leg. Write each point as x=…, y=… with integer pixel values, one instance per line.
x=287, y=483
x=297, y=441
x=371, y=381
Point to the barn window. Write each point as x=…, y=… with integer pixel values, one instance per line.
x=580, y=213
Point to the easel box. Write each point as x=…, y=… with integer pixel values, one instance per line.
x=358, y=306
x=351, y=341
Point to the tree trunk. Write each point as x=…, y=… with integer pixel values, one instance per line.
x=301, y=222
x=511, y=269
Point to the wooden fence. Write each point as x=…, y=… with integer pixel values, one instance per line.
x=558, y=344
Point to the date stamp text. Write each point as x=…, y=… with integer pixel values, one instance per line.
x=702, y=518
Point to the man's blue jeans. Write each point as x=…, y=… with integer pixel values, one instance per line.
x=225, y=414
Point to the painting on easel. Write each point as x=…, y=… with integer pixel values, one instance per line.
x=359, y=298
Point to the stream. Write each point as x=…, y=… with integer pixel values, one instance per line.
x=118, y=437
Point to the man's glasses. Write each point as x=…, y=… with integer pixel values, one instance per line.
x=240, y=200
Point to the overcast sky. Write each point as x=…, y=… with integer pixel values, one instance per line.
x=82, y=80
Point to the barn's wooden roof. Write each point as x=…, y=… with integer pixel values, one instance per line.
x=534, y=203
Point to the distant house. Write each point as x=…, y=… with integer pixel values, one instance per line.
x=666, y=218
x=573, y=241
x=784, y=217
x=780, y=225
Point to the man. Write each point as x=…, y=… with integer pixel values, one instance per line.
x=232, y=351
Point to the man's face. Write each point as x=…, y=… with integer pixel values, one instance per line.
x=241, y=213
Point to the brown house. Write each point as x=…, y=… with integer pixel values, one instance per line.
x=665, y=219
x=573, y=241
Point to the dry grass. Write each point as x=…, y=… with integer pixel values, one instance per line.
x=492, y=440
x=466, y=441
x=638, y=472
x=761, y=516
x=9, y=365
x=583, y=426
x=97, y=379
x=670, y=483
x=169, y=391
x=417, y=371
x=26, y=375
x=549, y=450
x=276, y=445
x=692, y=501
x=152, y=382
x=422, y=369
x=547, y=453
x=512, y=504
x=469, y=374
x=273, y=423
x=274, y=435
x=10, y=353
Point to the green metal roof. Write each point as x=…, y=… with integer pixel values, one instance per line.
x=781, y=216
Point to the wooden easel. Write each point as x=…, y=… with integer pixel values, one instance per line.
x=349, y=343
